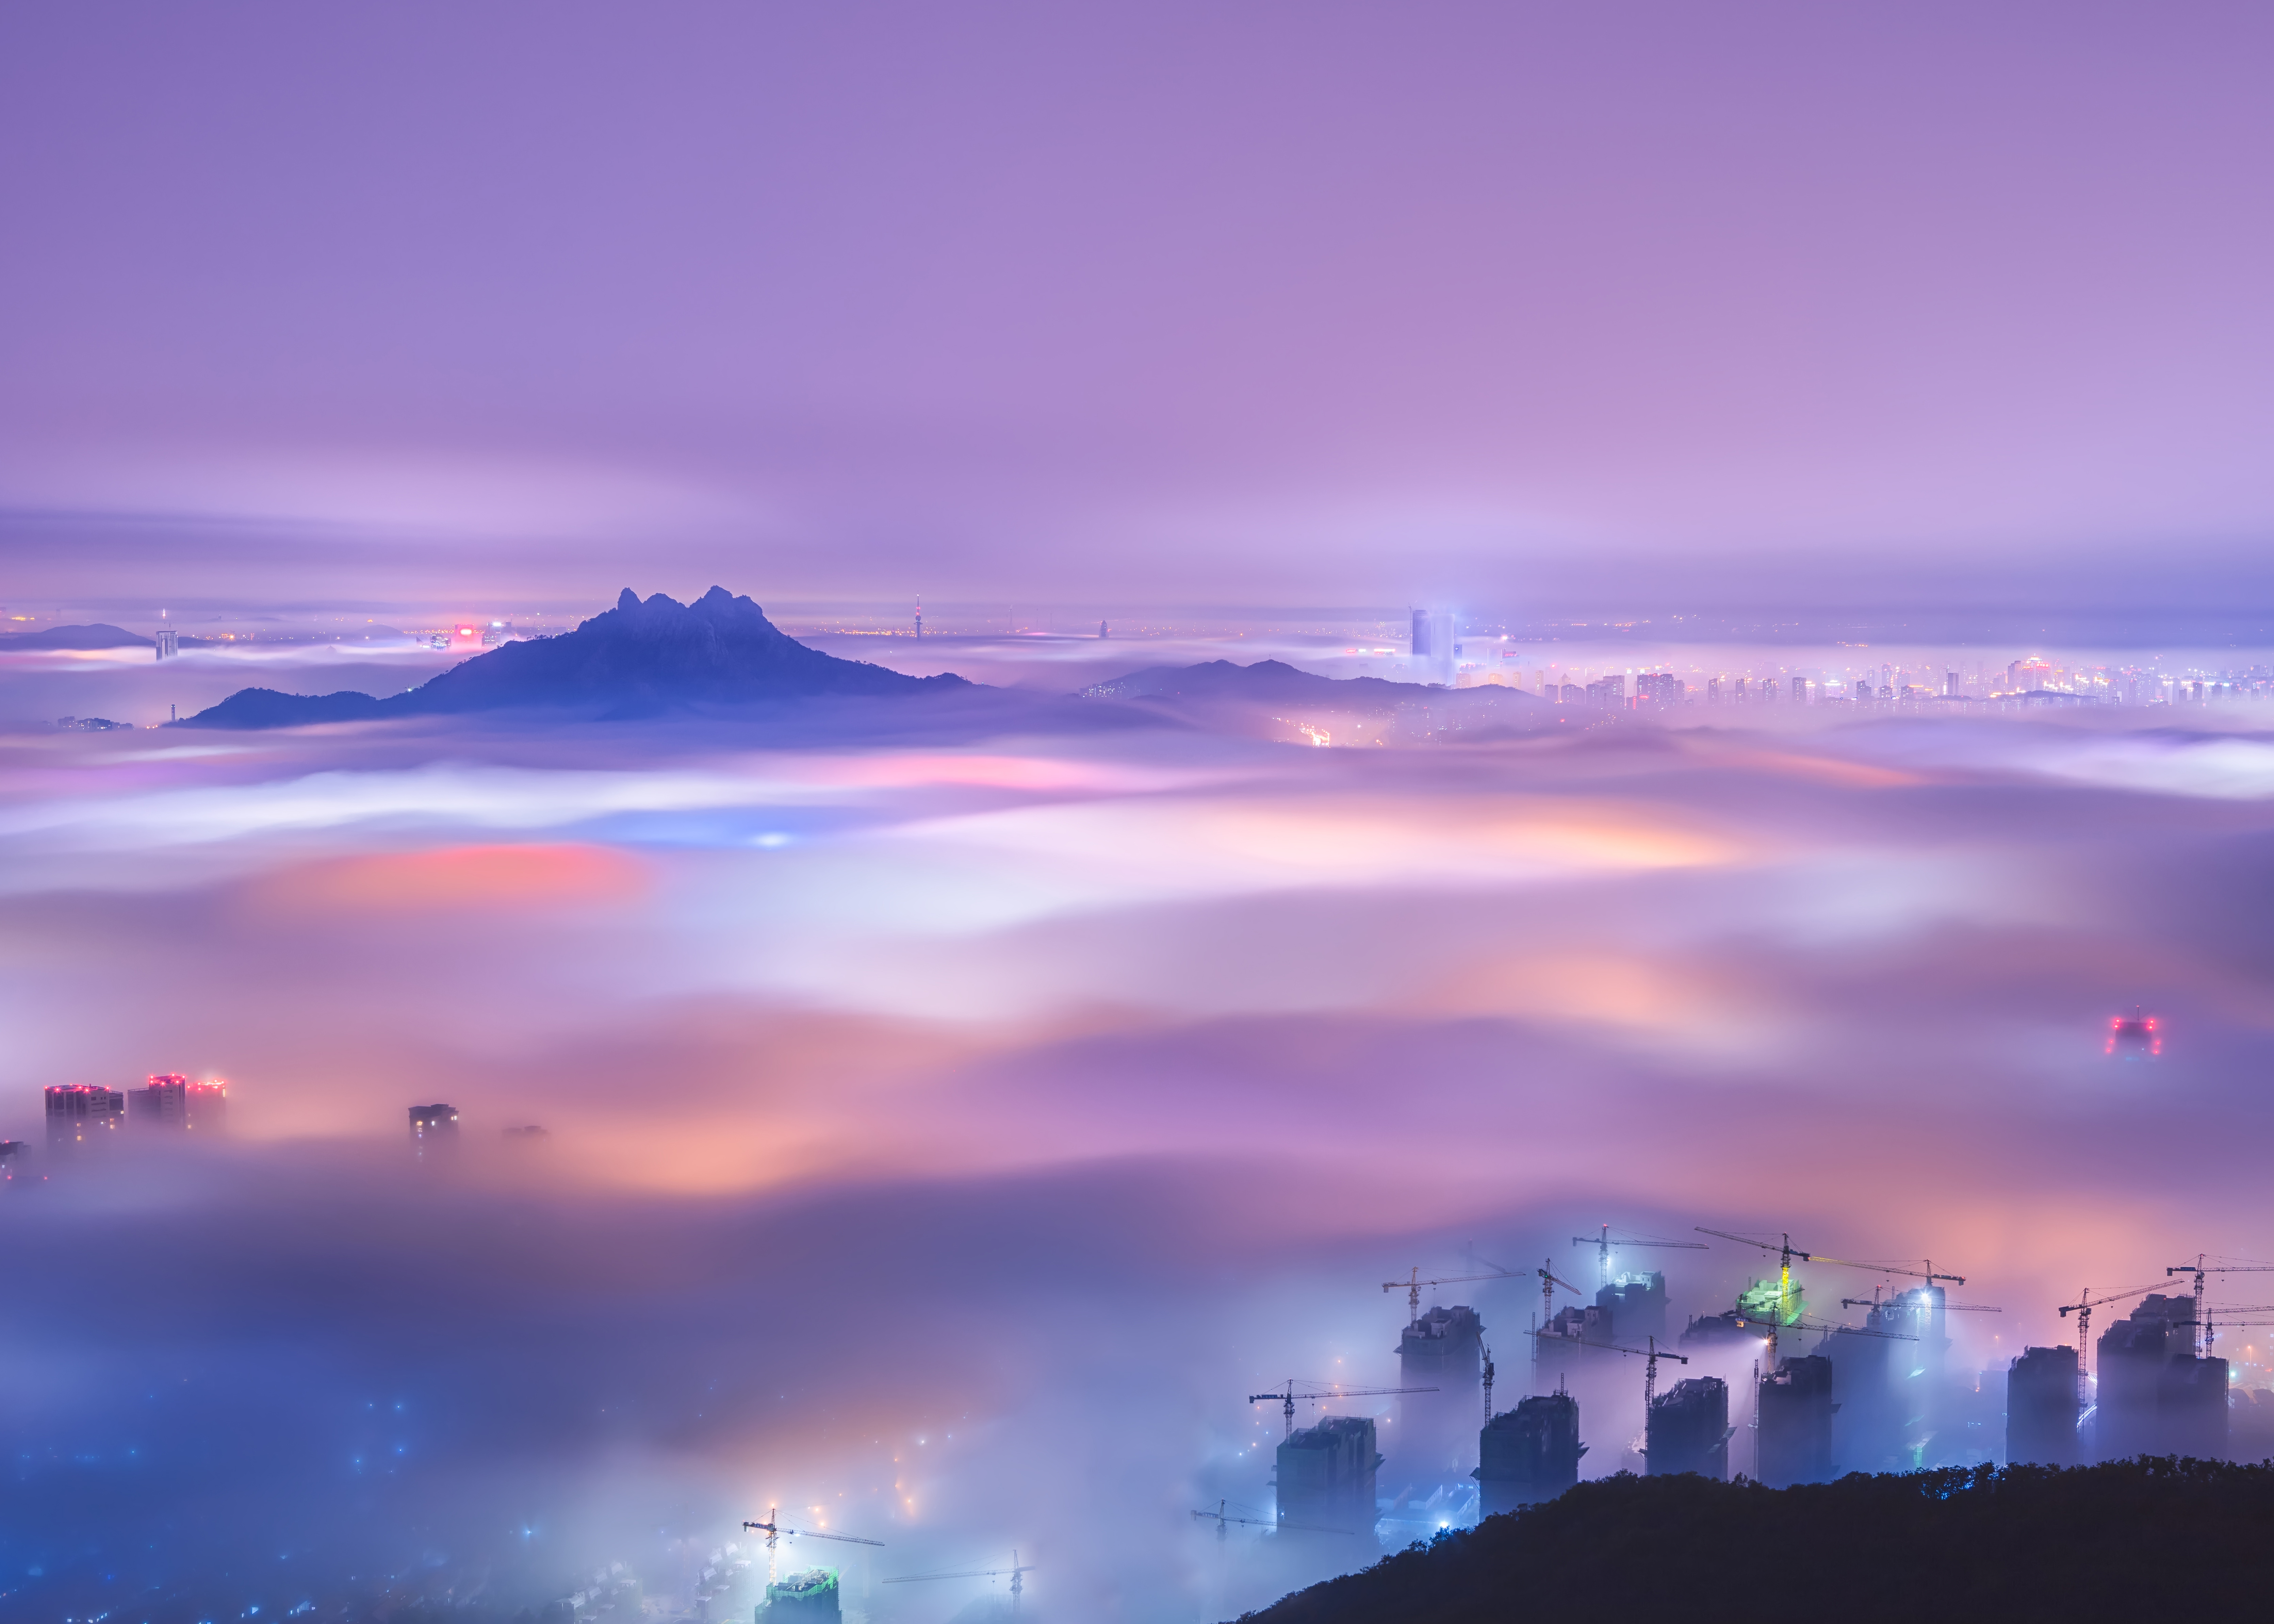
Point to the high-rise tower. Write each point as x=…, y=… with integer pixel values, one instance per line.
x=1444, y=1350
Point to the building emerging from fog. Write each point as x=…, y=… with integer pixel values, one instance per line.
x=80, y=1113
x=434, y=1129
x=170, y=1100
x=1795, y=1423
x=1529, y=1454
x=1444, y=1350
x=11, y=1158
x=2155, y=1396
x=1588, y=1323
x=1327, y=1476
x=1635, y=1305
x=2041, y=1409
x=808, y=1597
x=1433, y=655
x=1688, y=1429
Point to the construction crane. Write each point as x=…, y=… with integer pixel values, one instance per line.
x=1548, y=1282
x=1873, y=1302
x=1650, y=1370
x=1412, y=1285
x=2199, y=1267
x=1324, y=1391
x=1015, y=1570
x=1222, y=1520
x=1605, y=1245
x=1487, y=1350
x=2083, y=1309
x=1802, y=1322
x=1650, y=1356
x=772, y=1532
x=1787, y=1251
x=2236, y=1325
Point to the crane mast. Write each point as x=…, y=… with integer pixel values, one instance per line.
x=1287, y=1399
x=1605, y=1245
x=2083, y=1309
x=1413, y=1283
x=2199, y=1267
x=1548, y=1282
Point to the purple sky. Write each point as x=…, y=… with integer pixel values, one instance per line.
x=1511, y=305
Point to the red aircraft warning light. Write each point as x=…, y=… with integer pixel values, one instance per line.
x=2136, y=1037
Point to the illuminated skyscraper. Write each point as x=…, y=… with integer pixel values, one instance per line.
x=80, y=1113
x=208, y=1106
x=11, y=1157
x=434, y=1129
x=161, y=1102
x=170, y=1100
x=1433, y=651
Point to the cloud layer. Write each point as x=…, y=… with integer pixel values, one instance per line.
x=1054, y=1091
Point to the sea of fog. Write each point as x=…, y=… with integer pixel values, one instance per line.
x=943, y=1138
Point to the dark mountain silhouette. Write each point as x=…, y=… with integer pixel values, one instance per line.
x=2115, y=1541
x=86, y=637
x=636, y=659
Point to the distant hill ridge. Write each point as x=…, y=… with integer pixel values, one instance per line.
x=1273, y=681
x=641, y=656
x=91, y=638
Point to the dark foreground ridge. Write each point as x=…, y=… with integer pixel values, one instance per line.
x=2129, y=1540
x=636, y=659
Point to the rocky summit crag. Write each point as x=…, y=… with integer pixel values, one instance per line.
x=639, y=658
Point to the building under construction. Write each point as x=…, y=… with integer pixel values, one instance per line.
x=1588, y=1323
x=808, y=1597
x=1529, y=1454
x=1327, y=1476
x=2041, y=1408
x=1871, y=1421
x=1443, y=1350
x=1688, y=1429
x=1759, y=1306
x=2155, y=1396
x=1634, y=1307
x=1888, y=1386
x=1795, y=1423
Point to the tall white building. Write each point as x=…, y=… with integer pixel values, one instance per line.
x=1432, y=658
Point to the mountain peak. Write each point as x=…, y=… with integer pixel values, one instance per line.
x=640, y=657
